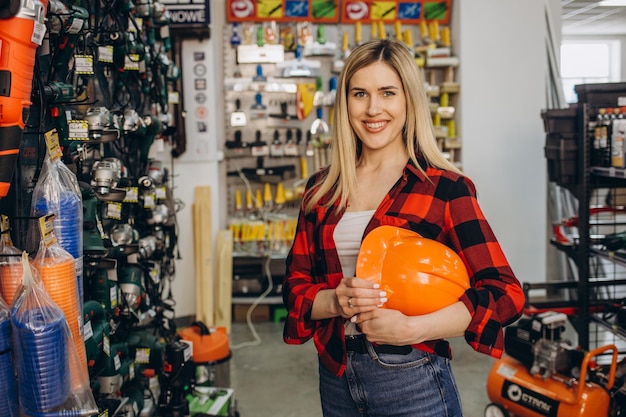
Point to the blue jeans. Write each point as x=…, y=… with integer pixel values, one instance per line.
x=375, y=385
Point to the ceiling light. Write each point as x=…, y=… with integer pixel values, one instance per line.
x=612, y=3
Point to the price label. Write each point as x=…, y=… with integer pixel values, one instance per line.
x=87, y=331
x=132, y=195
x=105, y=54
x=83, y=64
x=161, y=193
x=114, y=210
x=142, y=355
x=131, y=62
x=78, y=130
x=148, y=200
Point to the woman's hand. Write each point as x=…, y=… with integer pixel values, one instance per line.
x=355, y=295
x=392, y=327
x=386, y=326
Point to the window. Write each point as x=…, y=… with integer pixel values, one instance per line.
x=588, y=61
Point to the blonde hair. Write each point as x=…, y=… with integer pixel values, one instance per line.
x=419, y=137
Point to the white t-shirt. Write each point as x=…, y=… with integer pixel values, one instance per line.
x=348, y=234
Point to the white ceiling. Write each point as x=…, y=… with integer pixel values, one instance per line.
x=582, y=17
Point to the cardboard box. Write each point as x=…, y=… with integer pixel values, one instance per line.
x=260, y=313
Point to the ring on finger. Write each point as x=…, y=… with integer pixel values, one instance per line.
x=350, y=302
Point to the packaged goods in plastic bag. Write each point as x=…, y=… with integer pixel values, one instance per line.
x=9, y=406
x=57, y=191
x=45, y=356
x=10, y=263
x=56, y=269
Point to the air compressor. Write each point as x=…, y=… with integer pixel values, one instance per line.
x=541, y=375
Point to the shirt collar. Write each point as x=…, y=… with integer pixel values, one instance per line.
x=411, y=168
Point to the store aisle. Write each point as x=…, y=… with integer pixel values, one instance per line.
x=274, y=379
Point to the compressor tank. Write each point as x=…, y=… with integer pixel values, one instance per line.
x=511, y=385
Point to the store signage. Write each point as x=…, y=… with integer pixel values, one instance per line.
x=188, y=13
x=319, y=11
x=405, y=11
x=333, y=11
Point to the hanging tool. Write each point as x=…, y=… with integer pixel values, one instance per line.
x=290, y=147
x=235, y=39
x=381, y=30
x=329, y=99
x=238, y=117
x=398, y=30
x=308, y=145
x=249, y=205
x=298, y=67
x=276, y=148
x=267, y=196
x=279, y=199
x=269, y=174
x=21, y=32
x=433, y=31
x=320, y=137
x=259, y=147
x=270, y=32
x=304, y=99
x=236, y=148
x=318, y=98
x=259, y=52
x=338, y=62
x=283, y=119
x=258, y=110
x=259, y=77
x=358, y=38
x=321, y=46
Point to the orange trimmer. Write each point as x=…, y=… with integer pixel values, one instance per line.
x=22, y=30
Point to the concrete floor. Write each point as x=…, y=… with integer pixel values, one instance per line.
x=273, y=379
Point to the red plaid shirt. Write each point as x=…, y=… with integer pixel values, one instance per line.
x=444, y=209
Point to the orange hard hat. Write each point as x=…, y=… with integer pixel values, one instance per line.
x=420, y=275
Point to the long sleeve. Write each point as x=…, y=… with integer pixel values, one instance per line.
x=495, y=298
x=299, y=289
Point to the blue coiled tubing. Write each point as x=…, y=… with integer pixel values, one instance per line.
x=9, y=404
x=67, y=227
x=41, y=345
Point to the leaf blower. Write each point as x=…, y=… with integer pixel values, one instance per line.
x=21, y=33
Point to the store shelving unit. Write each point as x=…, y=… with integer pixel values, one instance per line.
x=251, y=75
x=597, y=291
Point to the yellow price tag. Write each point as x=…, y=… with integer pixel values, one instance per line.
x=52, y=142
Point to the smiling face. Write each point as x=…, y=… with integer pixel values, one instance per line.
x=377, y=107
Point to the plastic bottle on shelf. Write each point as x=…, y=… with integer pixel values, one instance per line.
x=601, y=150
x=617, y=112
x=618, y=131
x=600, y=116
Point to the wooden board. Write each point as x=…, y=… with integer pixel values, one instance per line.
x=224, y=279
x=203, y=255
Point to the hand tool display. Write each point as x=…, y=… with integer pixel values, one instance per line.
x=86, y=100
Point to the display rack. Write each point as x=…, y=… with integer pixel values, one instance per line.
x=579, y=161
x=264, y=106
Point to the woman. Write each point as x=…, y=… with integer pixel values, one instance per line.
x=386, y=168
